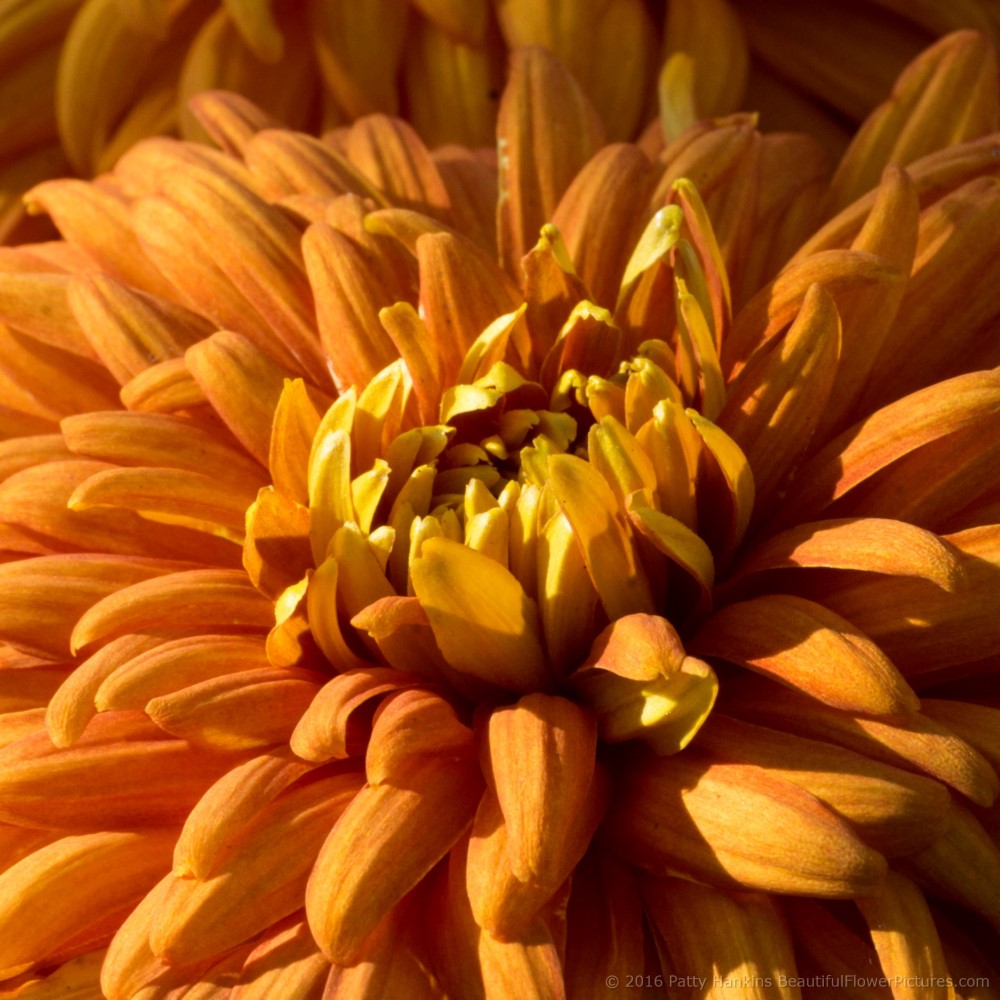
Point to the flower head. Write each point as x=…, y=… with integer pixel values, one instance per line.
x=403, y=599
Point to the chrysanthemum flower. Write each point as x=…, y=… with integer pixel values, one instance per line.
x=414, y=594
x=82, y=80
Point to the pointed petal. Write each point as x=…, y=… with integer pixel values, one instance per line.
x=889, y=434
x=918, y=118
x=777, y=402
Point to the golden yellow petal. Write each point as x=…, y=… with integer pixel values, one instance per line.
x=483, y=621
x=601, y=533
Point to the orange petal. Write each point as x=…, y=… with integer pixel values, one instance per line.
x=604, y=923
x=242, y=383
x=775, y=305
x=229, y=119
x=461, y=292
x=178, y=600
x=906, y=941
x=888, y=435
x=72, y=706
x=963, y=866
x=261, y=881
x=122, y=773
x=238, y=711
x=393, y=157
x=63, y=890
x=891, y=810
x=175, y=496
x=327, y=730
x=163, y=388
x=358, y=49
x=344, y=902
x=705, y=932
x=913, y=742
x=158, y=439
x=923, y=628
x=943, y=323
x=872, y=545
x=917, y=118
x=38, y=500
x=96, y=219
x=537, y=163
x=212, y=829
x=131, y=331
x=286, y=963
x=542, y=757
x=777, y=402
x=44, y=596
x=147, y=668
x=411, y=722
x=795, y=640
x=735, y=826
x=599, y=218
x=350, y=288
x=276, y=552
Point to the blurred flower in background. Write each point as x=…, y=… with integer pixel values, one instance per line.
x=82, y=81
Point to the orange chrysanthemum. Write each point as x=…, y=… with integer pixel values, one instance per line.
x=83, y=80
x=410, y=593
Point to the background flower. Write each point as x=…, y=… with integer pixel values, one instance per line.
x=84, y=79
